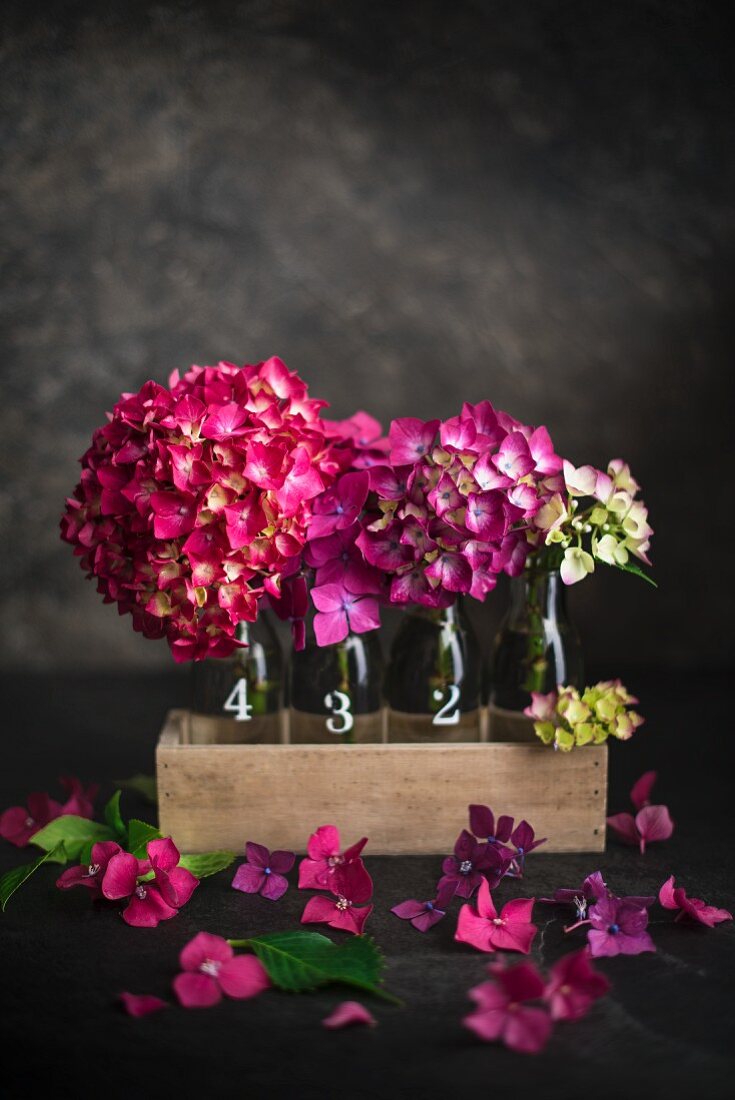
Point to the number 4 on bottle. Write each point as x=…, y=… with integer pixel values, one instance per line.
x=236, y=702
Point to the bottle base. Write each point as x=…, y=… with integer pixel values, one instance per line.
x=311, y=729
x=510, y=725
x=213, y=729
x=407, y=727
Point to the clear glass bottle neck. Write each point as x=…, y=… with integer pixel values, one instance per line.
x=537, y=592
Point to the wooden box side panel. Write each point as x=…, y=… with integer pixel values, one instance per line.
x=406, y=798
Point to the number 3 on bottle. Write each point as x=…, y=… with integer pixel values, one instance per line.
x=339, y=704
x=448, y=715
x=236, y=702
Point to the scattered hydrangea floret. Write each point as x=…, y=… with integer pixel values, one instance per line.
x=19, y=824
x=482, y=927
x=675, y=897
x=210, y=968
x=650, y=823
x=263, y=872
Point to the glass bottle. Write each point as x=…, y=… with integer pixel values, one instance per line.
x=536, y=648
x=335, y=691
x=239, y=698
x=433, y=678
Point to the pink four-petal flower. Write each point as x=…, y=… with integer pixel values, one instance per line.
x=211, y=967
x=481, y=925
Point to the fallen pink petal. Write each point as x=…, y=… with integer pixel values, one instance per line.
x=348, y=1014
x=142, y=1004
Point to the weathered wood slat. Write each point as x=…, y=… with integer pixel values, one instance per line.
x=407, y=798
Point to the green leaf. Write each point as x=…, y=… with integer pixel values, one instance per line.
x=75, y=832
x=11, y=880
x=302, y=961
x=143, y=784
x=205, y=864
x=113, y=817
x=636, y=570
x=139, y=834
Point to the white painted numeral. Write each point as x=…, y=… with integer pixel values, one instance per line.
x=339, y=704
x=237, y=704
x=449, y=713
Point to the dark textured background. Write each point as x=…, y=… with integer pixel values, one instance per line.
x=413, y=203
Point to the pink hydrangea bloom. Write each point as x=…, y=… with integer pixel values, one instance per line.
x=149, y=901
x=481, y=925
x=211, y=967
x=90, y=875
x=19, y=823
x=651, y=823
x=324, y=856
x=573, y=986
x=351, y=887
x=675, y=897
x=195, y=495
x=503, y=1013
x=263, y=872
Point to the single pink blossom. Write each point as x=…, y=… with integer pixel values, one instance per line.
x=482, y=927
x=503, y=1014
x=573, y=986
x=542, y=452
x=473, y=863
x=340, y=612
x=324, y=857
x=339, y=506
x=264, y=872
x=347, y=1014
x=351, y=887
x=423, y=915
x=211, y=967
x=618, y=927
x=90, y=875
x=513, y=458
x=484, y=825
x=149, y=901
x=411, y=439
x=142, y=1004
x=19, y=823
x=675, y=897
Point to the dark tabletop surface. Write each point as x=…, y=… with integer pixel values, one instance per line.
x=666, y=1027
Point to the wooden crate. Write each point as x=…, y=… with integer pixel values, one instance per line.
x=407, y=798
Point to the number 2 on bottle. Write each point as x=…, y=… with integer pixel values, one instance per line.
x=236, y=702
x=339, y=704
x=448, y=715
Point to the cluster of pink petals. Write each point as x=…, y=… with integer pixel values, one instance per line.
x=504, y=1010
x=154, y=889
x=343, y=874
x=650, y=823
x=19, y=823
x=195, y=499
x=481, y=925
x=443, y=512
x=675, y=897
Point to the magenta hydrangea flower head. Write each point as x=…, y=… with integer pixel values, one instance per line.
x=263, y=872
x=619, y=927
x=210, y=968
x=324, y=856
x=675, y=897
x=149, y=901
x=351, y=887
x=470, y=865
x=573, y=986
x=196, y=499
x=504, y=1014
x=481, y=925
x=90, y=875
x=423, y=915
x=651, y=823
